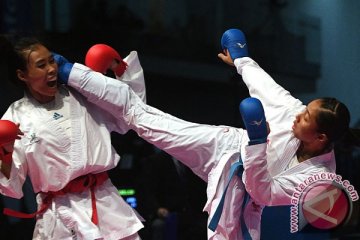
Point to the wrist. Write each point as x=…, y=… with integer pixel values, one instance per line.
x=5, y=151
x=64, y=72
x=5, y=156
x=120, y=68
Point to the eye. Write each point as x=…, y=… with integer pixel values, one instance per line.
x=41, y=65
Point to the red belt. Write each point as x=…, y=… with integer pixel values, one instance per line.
x=77, y=185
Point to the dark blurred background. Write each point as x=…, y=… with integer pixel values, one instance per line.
x=309, y=47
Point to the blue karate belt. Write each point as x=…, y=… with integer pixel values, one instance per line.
x=236, y=169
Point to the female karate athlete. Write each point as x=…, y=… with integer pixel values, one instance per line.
x=298, y=146
x=66, y=151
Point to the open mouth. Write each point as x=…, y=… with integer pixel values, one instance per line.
x=52, y=84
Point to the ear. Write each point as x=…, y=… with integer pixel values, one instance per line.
x=322, y=137
x=21, y=75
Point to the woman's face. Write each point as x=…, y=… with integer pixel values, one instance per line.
x=41, y=73
x=305, y=126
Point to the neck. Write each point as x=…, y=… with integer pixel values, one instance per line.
x=42, y=99
x=305, y=151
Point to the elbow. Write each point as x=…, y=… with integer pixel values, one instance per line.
x=261, y=200
x=260, y=196
x=269, y=197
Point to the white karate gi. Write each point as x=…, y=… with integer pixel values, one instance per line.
x=210, y=150
x=65, y=139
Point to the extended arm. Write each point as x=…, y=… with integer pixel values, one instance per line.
x=134, y=75
x=276, y=100
x=262, y=86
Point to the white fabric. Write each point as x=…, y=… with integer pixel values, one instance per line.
x=59, y=108
x=205, y=149
x=267, y=177
x=52, y=158
x=134, y=75
x=210, y=150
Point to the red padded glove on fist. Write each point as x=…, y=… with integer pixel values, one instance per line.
x=102, y=57
x=8, y=131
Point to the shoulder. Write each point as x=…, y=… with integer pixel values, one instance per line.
x=17, y=108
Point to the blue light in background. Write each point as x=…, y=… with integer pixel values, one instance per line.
x=129, y=196
x=131, y=201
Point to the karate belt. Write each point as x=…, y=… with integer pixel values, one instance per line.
x=80, y=184
x=236, y=169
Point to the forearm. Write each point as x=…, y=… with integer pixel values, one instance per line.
x=5, y=162
x=5, y=169
x=134, y=75
x=262, y=86
x=11, y=179
x=258, y=182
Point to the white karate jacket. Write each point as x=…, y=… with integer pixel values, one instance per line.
x=210, y=150
x=52, y=159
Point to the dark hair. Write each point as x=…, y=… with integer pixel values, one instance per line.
x=16, y=57
x=333, y=119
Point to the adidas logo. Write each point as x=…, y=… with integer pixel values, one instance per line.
x=56, y=116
